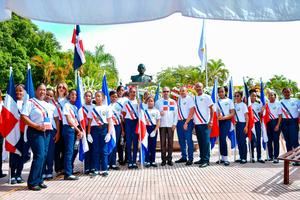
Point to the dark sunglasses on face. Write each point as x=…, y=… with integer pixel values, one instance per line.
x=165, y=91
x=61, y=87
x=237, y=96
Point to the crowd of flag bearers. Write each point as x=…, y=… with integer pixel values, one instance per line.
x=107, y=129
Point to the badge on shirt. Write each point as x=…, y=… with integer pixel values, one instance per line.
x=238, y=109
x=47, y=124
x=226, y=104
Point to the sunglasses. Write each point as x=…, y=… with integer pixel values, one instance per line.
x=237, y=96
x=61, y=87
x=165, y=91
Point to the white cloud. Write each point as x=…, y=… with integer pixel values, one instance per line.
x=247, y=49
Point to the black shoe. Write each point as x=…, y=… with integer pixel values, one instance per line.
x=130, y=166
x=163, y=163
x=114, y=167
x=153, y=164
x=189, y=162
x=237, y=161
x=147, y=165
x=34, y=188
x=269, y=159
x=199, y=162
x=94, y=173
x=243, y=161
x=134, y=166
x=71, y=178
x=261, y=161
x=226, y=163
x=20, y=180
x=104, y=174
x=253, y=161
x=122, y=163
x=275, y=161
x=204, y=165
x=296, y=164
x=2, y=175
x=87, y=172
x=181, y=160
x=220, y=162
x=43, y=186
x=13, y=181
x=170, y=163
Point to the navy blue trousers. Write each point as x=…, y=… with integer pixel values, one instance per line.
x=113, y=154
x=16, y=162
x=68, y=135
x=290, y=131
x=150, y=155
x=224, y=126
x=48, y=167
x=185, y=137
x=131, y=140
x=256, y=141
x=38, y=142
x=273, y=139
x=203, y=134
x=241, y=139
x=99, y=151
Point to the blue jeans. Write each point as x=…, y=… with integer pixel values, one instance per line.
x=185, y=136
x=38, y=142
x=273, y=139
x=48, y=167
x=224, y=126
x=113, y=154
x=99, y=151
x=16, y=162
x=241, y=139
x=68, y=135
x=131, y=139
x=256, y=141
x=290, y=130
x=203, y=133
x=150, y=155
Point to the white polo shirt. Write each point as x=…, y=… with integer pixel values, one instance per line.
x=225, y=105
x=291, y=105
x=131, y=109
x=240, y=110
x=34, y=113
x=52, y=113
x=275, y=109
x=86, y=110
x=169, y=109
x=202, y=111
x=152, y=115
x=72, y=111
x=117, y=112
x=184, y=106
x=100, y=115
x=257, y=108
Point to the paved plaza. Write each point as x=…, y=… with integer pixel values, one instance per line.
x=249, y=181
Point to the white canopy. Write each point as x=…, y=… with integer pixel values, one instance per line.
x=126, y=11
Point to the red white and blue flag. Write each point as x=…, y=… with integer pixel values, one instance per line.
x=169, y=105
x=79, y=58
x=214, y=134
x=251, y=123
x=83, y=145
x=142, y=131
x=231, y=134
x=10, y=130
x=265, y=115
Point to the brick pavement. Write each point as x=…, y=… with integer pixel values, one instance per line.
x=249, y=181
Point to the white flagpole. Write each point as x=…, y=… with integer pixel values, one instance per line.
x=206, y=70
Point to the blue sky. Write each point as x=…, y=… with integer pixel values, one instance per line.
x=247, y=48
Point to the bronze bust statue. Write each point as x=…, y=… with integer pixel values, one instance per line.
x=142, y=77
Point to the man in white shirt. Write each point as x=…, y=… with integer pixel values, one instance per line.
x=168, y=111
x=185, y=126
x=203, y=123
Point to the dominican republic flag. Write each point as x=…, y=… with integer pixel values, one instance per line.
x=251, y=126
x=169, y=105
x=79, y=58
x=112, y=142
x=105, y=90
x=83, y=145
x=156, y=97
x=142, y=131
x=231, y=134
x=214, y=134
x=265, y=115
x=10, y=130
x=202, y=46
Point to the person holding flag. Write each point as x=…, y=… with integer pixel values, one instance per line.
x=290, y=128
x=2, y=175
x=273, y=110
x=35, y=114
x=130, y=110
x=116, y=108
x=203, y=123
x=185, y=126
x=152, y=117
x=256, y=139
x=98, y=128
x=241, y=118
x=16, y=161
x=70, y=131
x=225, y=108
x=168, y=112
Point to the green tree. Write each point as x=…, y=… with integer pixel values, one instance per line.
x=278, y=82
x=216, y=69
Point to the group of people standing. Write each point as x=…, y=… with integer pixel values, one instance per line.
x=53, y=130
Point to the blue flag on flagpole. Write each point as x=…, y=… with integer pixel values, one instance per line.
x=105, y=90
x=157, y=93
x=79, y=58
x=29, y=88
x=202, y=46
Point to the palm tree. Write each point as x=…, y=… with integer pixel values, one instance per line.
x=216, y=69
x=278, y=82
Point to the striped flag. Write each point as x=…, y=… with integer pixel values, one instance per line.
x=10, y=130
x=142, y=131
x=79, y=58
x=214, y=134
x=251, y=126
x=265, y=115
x=112, y=142
x=83, y=145
x=202, y=45
x=231, y=134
